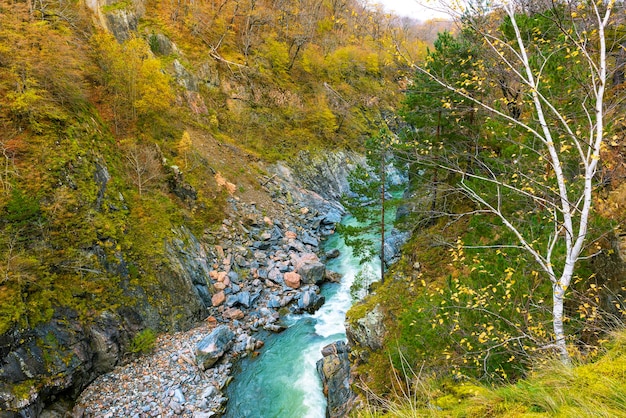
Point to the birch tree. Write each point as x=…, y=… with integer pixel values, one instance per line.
x=564, y=135
x=144, y=167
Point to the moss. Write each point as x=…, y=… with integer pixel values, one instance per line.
x=118, y=5
x=447, y=401
x=143, y=342
x=24, y=390
x=359, y=310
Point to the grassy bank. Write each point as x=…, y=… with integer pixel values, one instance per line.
x=592, y=389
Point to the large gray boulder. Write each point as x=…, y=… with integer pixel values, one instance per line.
x=312, y=272
x=334, y=370
x=310, y=269
x=213, y=347
x=368, y=331
x=310, y=301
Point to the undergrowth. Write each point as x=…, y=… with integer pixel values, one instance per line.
x=587, y=389
x=481, y=313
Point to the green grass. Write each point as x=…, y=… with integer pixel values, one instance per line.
x=592, y=389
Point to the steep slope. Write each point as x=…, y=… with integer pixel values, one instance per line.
x=126, y=126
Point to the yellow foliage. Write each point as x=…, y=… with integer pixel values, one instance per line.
x=135, y=80
x=154, y=92
x=277, y=55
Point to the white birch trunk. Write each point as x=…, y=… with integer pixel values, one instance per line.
x=558, y=296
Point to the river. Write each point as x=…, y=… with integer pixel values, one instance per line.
x=283, y=380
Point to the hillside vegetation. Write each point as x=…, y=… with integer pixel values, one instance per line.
x=594, y=389
x=102, y=130
x=128, y=126
x=500, y=122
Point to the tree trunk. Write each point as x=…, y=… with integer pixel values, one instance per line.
x=558, y=294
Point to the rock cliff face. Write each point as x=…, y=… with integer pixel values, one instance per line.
x=366, y=334
x=319, y=181
x=324, y=173
x=120, y=18
x=334, y=368
x=59, y=358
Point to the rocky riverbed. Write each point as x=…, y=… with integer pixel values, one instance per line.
x=258, y=269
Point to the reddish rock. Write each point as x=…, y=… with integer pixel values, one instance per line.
x=291, y=235
x=211, y=321
x=292, y=279
x=305, y=258
x=218, y=298
x=220, y=286
x=233, y=313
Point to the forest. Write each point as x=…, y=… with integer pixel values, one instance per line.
x=513, y=136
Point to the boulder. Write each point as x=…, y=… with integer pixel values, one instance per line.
x=332, y=276
x=262, y=245
x=233, y=313
x=310, y=301
x=310, y=269
x=308, y=239
x=218, y=298
x=334, y=253
x=274, y=302
x=244, y=299
x=334, y=370
x=275, y=275
x=212, y=348
x=233, y=276
x=333, y=216
x=292, y=279
x=232, y=300
x=275, y=327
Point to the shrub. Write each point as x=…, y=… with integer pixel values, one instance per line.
x=143, y=342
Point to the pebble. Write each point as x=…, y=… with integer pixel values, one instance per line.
x=158, y=384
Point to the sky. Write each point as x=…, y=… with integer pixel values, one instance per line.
x=412, y=8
